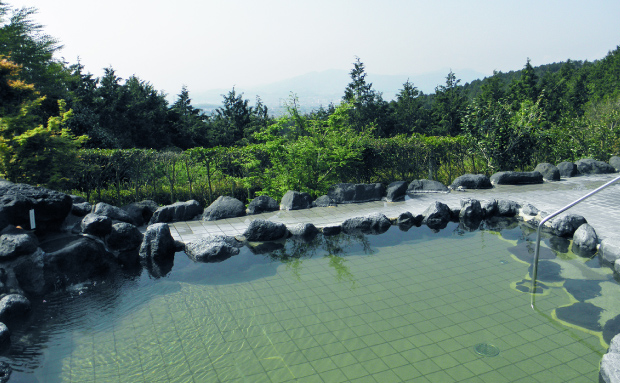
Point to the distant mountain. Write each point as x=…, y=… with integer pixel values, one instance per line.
x=317, y=89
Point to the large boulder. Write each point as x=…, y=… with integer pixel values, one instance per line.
x=406, y=220
x=489, y=208
x=472, y=181
x=426, y=186
x=142, y=211
x=124, y=237
x=568, y=169
x=80, y=260
x=80, y=209
x=375, y=223
x=113, y=212
x=324, y=201
x=565, y=225
x=331, y=230
x=610, y=250
x=5, y=372
x=97, y=225
x=591, y=166
x=212, y=248
x=471, y=210
x=610, y=368
x=16, y=242
x=516, y=178
x=437, y=215
x=16, y=200
x=615, y=162
x=549, y=171
x=224, y=207
x=353, y=193
x=304, y=231
x=178, y=211
x=157, y=243
x=14, y=306
x=262, y=204
x=507, y=208
x=585, y=238
x=396, y=191
x=294, y=200
x=262, y=230
x=5, y=339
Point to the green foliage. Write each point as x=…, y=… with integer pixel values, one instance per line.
x=311, y=162
x=448, y=107
x=502, y=136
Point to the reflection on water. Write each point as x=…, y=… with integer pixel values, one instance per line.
x=392, y=306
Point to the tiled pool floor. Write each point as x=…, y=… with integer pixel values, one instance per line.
x=398, y=314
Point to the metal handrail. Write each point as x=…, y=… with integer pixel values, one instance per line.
x=547, y=218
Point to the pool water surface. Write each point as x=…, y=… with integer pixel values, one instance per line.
x=412, y=306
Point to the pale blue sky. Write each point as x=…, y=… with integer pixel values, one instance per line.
x=221, y=44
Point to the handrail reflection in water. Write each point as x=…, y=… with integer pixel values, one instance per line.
x=547, y=218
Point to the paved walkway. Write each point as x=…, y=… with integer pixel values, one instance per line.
x=601, y=210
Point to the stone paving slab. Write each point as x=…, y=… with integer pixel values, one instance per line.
x=601, y=210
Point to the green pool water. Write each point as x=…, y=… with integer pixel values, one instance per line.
x=397, y=307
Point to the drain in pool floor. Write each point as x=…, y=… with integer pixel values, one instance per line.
x=486, y=349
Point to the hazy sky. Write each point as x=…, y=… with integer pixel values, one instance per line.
x=220, y=44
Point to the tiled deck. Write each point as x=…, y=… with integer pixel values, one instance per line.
x=601, y=210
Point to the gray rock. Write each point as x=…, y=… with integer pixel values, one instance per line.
x=294, y=200
x=407, y=219
x=355, y=193
x=5, y=338
x=305, y=231
x=262, y=204
x=610, y=368
x=427, y=186
x=80, y=260
x=178, y=211
x=585, y=237
x=124, y=237
x=437, y=215
x=591, y=166
x=213, y=248
x=331, y=230
x=614, y=345
x=81, y=209
x=396, y=191
x=5, y=372
x=610, y=250
x=615, y=162
x=549, y=171
x=507, y=208
x=141, y=212
x=529, y=209
x=157, y=243
x=324, y=201
x=489, y=208
x=375, y=223
x=568, y=169
x=16, y=242
x=77, y=199
x=224, y=207
x=471, y=210
x=516, y=178
x=113, y=212
x=565, y=225
x=97, y=225
x=262, y=230
x=14, y=306
x=16, y=200
x=472, y=181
